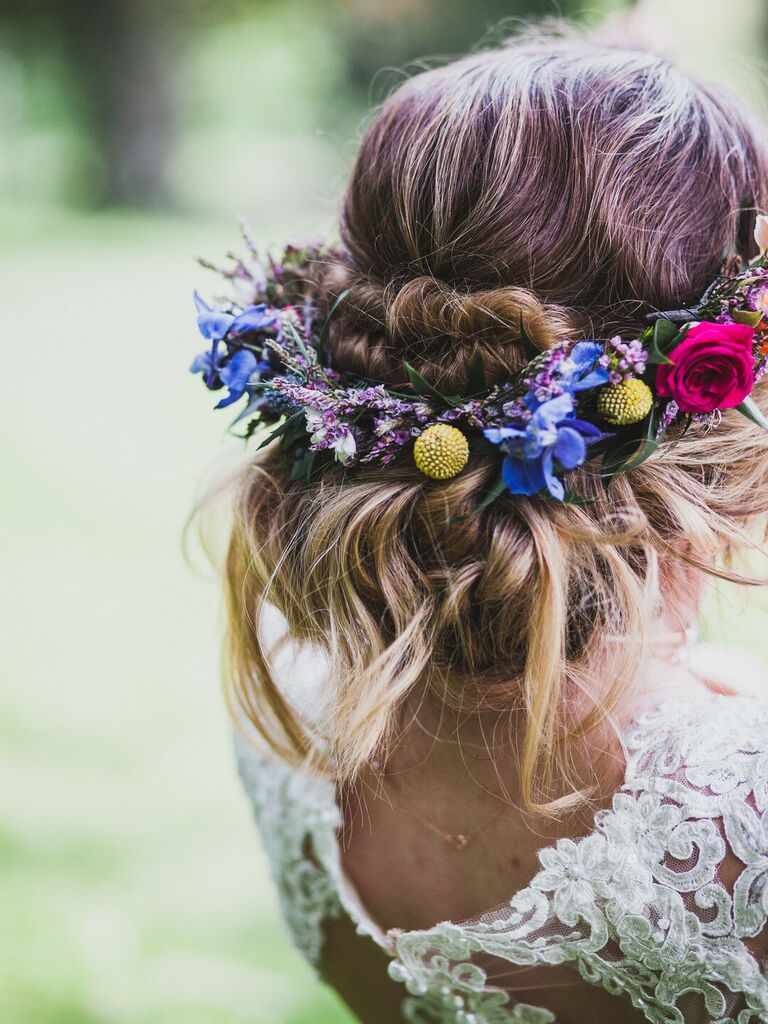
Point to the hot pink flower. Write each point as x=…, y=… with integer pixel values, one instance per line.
x=713, y=367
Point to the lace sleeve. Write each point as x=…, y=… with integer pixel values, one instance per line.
x=297, y=819
x=706, y=844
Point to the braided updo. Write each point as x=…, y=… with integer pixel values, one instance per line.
x=573, y=187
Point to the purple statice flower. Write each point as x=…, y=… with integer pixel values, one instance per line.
x=388, y=444
x=516, y=409
x=761, y=367
x=323, y=413
x=473, y=412
x=303, y=395
x=544, y=383
x=751, y=296
x=670, y=415
x=708, y=420
x=624, y=359
x=757, y=296
x=553, y=432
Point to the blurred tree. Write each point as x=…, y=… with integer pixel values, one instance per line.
x=121, y=58
x=118, y=57
x=389, y=35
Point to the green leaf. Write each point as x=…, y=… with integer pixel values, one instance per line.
x=423, y=387
x=309, y=356
x=665, y=336
x=629, y=455
x=491, y=495
x=303, y=461
x=751, y=410
x=308, y=463
x=530, y=348
x=476, y=382
x=323, y=337
x=286, y=425
x=252, y=406
x=747, y=316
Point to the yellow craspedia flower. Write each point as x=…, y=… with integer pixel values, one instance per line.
x=441, y=451
x=627, y=402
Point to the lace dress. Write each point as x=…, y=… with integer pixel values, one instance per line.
x=663, y=904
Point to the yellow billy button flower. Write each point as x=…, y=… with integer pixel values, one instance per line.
x=441, y=451
x=624, y=403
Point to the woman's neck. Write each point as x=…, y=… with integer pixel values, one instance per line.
x=482, y=749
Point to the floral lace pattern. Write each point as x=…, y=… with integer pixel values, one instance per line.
x=297, y=818
x=657, y=905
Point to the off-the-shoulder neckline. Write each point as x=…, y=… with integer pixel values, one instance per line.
x=675, y=708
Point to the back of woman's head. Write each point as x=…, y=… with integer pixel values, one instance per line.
x=573, y=187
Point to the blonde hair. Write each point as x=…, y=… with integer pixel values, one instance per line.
x=576, y=186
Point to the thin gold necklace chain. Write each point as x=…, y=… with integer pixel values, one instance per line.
x=458, y=840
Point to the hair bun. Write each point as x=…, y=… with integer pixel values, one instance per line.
x=436, y=326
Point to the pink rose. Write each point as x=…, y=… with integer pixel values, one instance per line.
x=713, y=367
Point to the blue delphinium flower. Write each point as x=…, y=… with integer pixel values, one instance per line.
x=553, y=432
x=255, y=318
x=559, y=371
x=235, y=375
x=211, y=322
x=215, y=325
x=581, y=370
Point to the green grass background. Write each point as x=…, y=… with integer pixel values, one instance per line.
x=132, y=886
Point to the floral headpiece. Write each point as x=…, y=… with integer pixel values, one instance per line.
x=576, y=400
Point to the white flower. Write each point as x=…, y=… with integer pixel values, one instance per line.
x=345, y=447
x=343, y=440
x=315, y=424
x=761, y=232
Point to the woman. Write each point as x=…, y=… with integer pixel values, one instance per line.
x=511, y=433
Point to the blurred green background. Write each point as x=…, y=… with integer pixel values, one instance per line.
x=132, y=887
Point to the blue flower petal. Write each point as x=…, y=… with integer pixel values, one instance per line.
x=553, y=485
x=201, y=363
x=214, y=325
x=585, y=354
x=255, y=318
x=580, y=372
x=236, y=375
x=589, y=431
x=496, y=435
x=595, y=379
x=549, y=414
x=523, y=477
x=200, y=303
x=569, y=448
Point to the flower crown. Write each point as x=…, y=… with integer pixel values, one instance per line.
x=577, y=400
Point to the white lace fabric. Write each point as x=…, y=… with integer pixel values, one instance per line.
x=664, y=904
